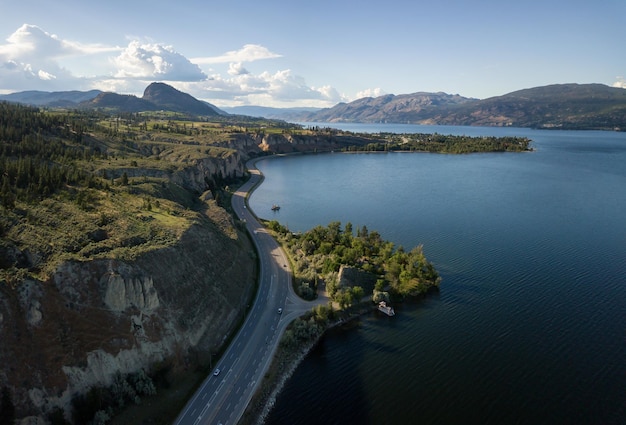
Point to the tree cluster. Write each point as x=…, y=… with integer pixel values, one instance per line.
x=39, y=154
x=321, y=251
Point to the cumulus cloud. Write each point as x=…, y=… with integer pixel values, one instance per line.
x=370, y=93
x=155, y=61
x=280, y=88
x=620, y=83
x=248, y=53
x=30, y=59
x=237, y=69
x=30, y=41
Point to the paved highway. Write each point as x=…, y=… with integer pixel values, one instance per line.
x=224, y=395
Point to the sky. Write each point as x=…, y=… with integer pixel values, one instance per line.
x=295, y=53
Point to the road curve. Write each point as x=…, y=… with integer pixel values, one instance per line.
x=223, y=397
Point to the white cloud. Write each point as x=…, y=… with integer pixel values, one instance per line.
x=370, y=93
x=620, y=83
x=280, y=88
x=30, y=59
x=43, y=75
x=155, y=61
x=237, y=69
x=30, y=41
x=248, y=53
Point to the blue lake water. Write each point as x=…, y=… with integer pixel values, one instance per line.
x=529, y=325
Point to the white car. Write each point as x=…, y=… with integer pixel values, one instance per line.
x=280, y=311
x=216, y=372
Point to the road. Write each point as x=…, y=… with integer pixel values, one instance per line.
x=222, y=398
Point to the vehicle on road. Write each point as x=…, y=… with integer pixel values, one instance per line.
x=280, y=311
x=216, y=372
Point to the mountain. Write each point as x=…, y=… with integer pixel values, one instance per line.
x=567, y=106
x=42, y=98
x=156, y=97
x=406, y=108
x=170, y=99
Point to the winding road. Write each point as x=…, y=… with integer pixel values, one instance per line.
x=224, y=395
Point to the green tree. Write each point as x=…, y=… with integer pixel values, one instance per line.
x=357, y=294
x=8, y=199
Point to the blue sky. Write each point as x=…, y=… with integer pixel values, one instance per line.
x=296, y=53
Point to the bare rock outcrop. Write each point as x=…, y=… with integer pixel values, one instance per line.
x=122, y=293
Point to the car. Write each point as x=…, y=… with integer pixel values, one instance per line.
x=280, y=311
x=216, y=372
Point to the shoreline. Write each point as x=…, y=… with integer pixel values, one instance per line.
x=264, y=399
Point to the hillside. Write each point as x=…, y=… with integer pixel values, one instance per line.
x=567, y=106
x=405, y=108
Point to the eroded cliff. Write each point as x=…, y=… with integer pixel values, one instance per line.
x=94, y=319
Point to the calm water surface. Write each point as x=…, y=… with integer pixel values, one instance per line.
x=529, y=325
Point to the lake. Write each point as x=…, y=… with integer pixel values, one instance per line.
x=529, y=324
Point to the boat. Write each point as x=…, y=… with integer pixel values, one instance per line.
x=275, y=207
x=388, y=310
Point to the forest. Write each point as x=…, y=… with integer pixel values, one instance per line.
x=440, y=143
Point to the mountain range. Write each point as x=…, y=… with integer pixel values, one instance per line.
x=565, y=106
x=156, y=97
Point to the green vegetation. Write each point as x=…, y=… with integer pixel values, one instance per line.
x=320, y=253
x=439, y=143
x=84, y=185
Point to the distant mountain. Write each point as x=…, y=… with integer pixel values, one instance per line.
x=287, y=114
x=570, y=106
x=406, y=108
x=59, y=98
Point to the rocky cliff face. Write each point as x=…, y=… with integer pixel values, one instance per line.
x=93, y=319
